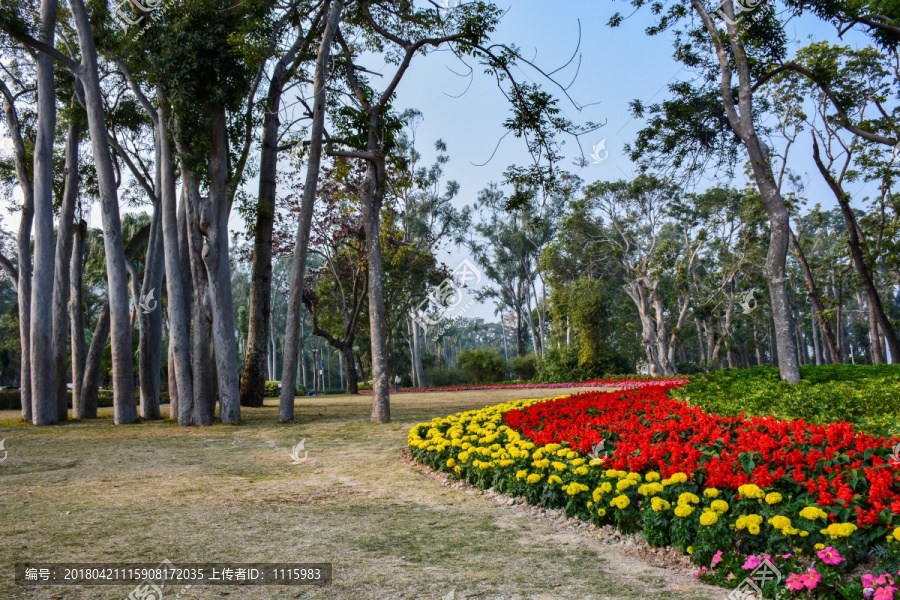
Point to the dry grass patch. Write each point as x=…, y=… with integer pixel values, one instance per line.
x=92, y=492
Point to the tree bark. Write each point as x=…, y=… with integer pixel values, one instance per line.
x=90, y=388
x=120, y=329
x=181, y=405
x=150, y=338
x=214, y=225
x=76, y=316
x=61, y=283
x=43, y=382
x=301, y=245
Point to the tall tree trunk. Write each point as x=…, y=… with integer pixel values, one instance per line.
x=204, y=404
x=61, y=283
x=76, y=316
x=254, y=378
x=150, y=339
x=120, y=329
x=90, y=387
x=856, y=241
x=43, y=382
x=817, y=351
x=298, y=268
x=779, y=218
x=214, y=224
x=181, y=405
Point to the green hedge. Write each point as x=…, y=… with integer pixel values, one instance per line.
x=867, y=396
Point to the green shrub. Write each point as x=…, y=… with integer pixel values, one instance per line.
x=684, y=368
x=483, y=365
x=567, y=364
x=10, y=400
x=301, y=390
x=867, y=396
x=525, y=367
x=446, y=377
x=272, y=389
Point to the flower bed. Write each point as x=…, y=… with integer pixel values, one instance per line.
x=621, y=383
x=815, y=501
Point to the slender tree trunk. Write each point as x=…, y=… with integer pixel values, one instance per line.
x=854, y=237
x=298, y=268
x=254, y=378
x=76, y=316
x=150, y=339
x=204, y=402
x=120, y=329
x=43, y=382
x=61, y=283
x=181, y=384
x=90, y=388
x=214, y=225
x=817, y=352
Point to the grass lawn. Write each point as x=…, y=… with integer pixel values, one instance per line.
x=92, y=492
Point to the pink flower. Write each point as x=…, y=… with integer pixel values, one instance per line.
x=830, y=556
x=716, y=559
x=812, y=578
x=700, y=572
x=794, y=583
x=730, y=576
x=885, y=593
x=752, y=562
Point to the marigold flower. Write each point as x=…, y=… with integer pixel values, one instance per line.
x=720, y=506
x=554, y=480
x=709, y=518
x=534, y=478
x=711, y=493
x=621, y=502
x=683, y=510
x=811, y=513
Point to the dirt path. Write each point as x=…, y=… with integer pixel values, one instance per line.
x=92, y=492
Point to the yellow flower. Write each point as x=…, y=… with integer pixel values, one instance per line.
x=650, y=489
x=651, y=476
x=463, y=457
x=711, y=493
x=559, y=466
x=624, y=484
x=601, y=512
x=576, y=488
x=773, y=498
x=541, y=464
x=596, y=462
x=690, y=549
x=683, y=510
x=688, y=498
x=521, y=474
x=748, y=521
x=804, y=534
x=552, y=447
x=620, y=502
x=750, y=491
x=577, y=462
x=534, y=478
x=709, y=518
x=819, y=546
x=780, y=522
x=839, y=530
x=611, y=473
x=634, y=477
x=897, y=534
x=811, y=513
x=581, y=471
x=720, y=506
x=554, y=479
x=659, y=505
x=451, y=463
x=457, y=470
x=679, y=478
x=571, y=454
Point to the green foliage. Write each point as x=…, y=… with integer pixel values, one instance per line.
x=867, y=396
x=483, y=365
x=273, y=389
x=564, y=364
x=446, y=377
x=525, y=367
